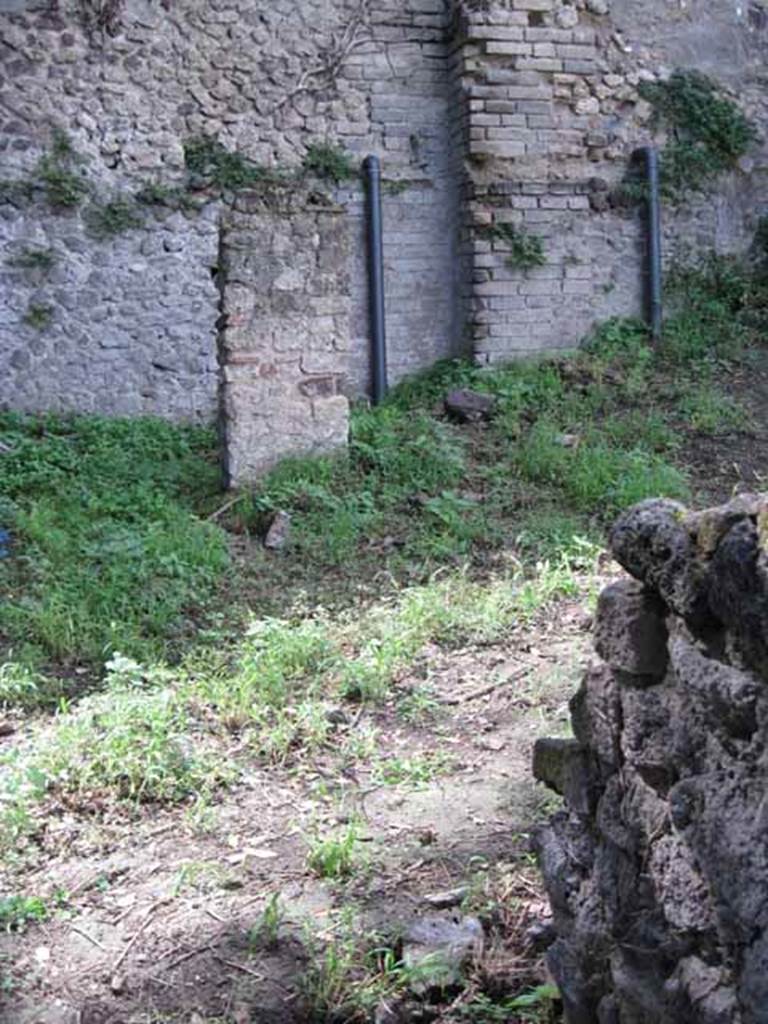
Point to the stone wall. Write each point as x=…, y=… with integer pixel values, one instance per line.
x=485, y=114
x=656, y=867
x=552, y=114
x=132, y=320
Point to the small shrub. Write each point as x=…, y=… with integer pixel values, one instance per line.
x=115, y=217
x=18, y=911
x=212, y=164
x=38, y=316
x=326, y=160
x=33, y=259
x=526, y=250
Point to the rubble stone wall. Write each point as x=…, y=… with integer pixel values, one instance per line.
x=656, y=868
x=131, y=322
x=485, y=113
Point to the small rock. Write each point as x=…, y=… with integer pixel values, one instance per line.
x=448, y=898
x=568, y=440
x=539, y=936
x=599, y=7
x=469, y=406
x=436, y=948
x=277, y=534
x=567, y=17
x=7, y=729
x=117, y=984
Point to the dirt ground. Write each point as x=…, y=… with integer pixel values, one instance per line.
x=156, y=918
x=157, y=908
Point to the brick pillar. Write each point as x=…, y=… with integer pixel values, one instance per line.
x=284, y=343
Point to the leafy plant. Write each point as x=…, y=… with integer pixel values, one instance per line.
x=212, y=164
x=327, y=160
x=335, y=856
x=105, y=220
x=18, y=911
x=64, y=186
x=265, y=933
x=38, y=316
x=709, y=133
x=532, y=1004
x=526, y=250
x=33, y=259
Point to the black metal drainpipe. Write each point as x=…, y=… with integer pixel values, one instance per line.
x=651, y=160
x=372, y=168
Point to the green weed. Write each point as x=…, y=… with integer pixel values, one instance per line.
x=335, y=856
x=709, y=133
x=525, y=250
x=18, y=911
x=265, y=933
x=114, y=217
x=134, y=746
x=38, y=316
x=535, y=1005
x=416, y=771
x=711, y=412
x=33, y=259
x=23, y=687
x=327, y=160
x=209, y=162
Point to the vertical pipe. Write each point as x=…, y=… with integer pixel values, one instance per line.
x=372, y=167
x=651, y=157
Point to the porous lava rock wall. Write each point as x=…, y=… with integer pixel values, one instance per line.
x=657, y=867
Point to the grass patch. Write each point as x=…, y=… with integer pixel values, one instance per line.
x=134, y=746
x=111, y=554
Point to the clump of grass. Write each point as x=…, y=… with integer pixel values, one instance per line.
x=416, y=771
x=710, y=411
x=597, y=474
x=328, y=160
x=265, y=932
x=335, y=856
x=23, y=687
x=135, y=747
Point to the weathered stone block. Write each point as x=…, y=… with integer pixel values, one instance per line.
x=630, y=630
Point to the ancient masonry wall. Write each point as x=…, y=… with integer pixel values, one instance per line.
x=552, y=115
x=656, y=867
x=131, y=322
x=511, y=111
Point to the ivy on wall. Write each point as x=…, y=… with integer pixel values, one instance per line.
x=707, y=132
